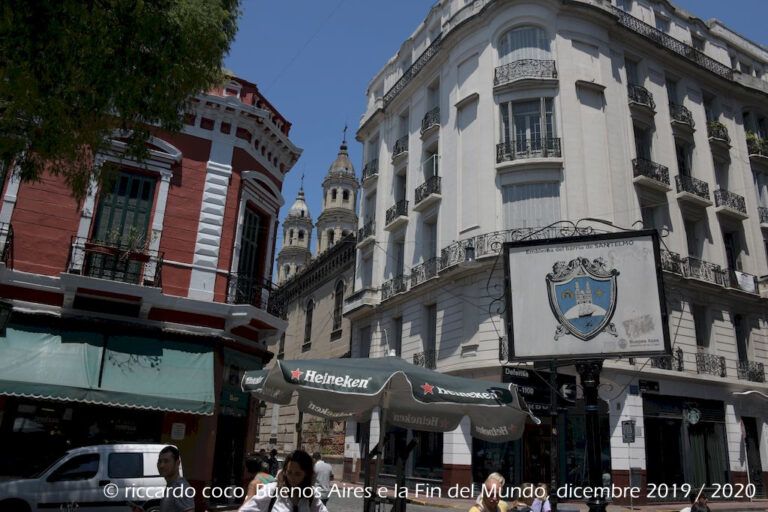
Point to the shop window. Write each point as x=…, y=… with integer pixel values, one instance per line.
x=81, y=467
x=125, y=465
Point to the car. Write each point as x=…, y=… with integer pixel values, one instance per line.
x=100, y=478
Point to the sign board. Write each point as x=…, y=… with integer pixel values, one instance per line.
x=595, y=296
x=534, y=389
x=178, y=431
x=628, y=431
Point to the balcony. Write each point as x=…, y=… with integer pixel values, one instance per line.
x=528, y=148
x=730, y=204
x=431, y=122
x=710, y=364
x=254, y=291
x=671, y=262
x=424, y=271
x=757, y=147
x=672, y=362
x=763, y=213
x=641, y=99
x=126, y=261
x=681, y=117
x=6, y=242
x=394, y=286
x=400, y=150
x=751, y=371
x=427, y=194
x=367, y=297
x=414, y=70
x=650, y=174
x=370, y=172
x=694, y=268
x=366, y=234
x=743, y=281
x=718, y=136
x=527, y=70
x=692, y=190
x=427, y=359
x=397, y=215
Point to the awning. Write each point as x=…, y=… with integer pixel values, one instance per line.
x=145, y=373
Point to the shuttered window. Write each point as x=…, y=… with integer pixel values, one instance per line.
x=531, y=205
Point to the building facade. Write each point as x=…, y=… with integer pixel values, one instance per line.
x=135, y=313
x=497, y=118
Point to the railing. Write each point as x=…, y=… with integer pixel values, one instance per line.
x=681, y=114
x=427, y=359
x=394, y=286
x=730, y=200
x=710, y=364
x=400, y=208
x=671, y=262
x=424, y=271
x=717, y=130
x=751, y=371
x=254, y=291
x=640, y=95
x=371, y=169
x=673, y=361
x=650, y=169
x=757, y=145
x=431, y=186
x=763, y=213
x=366, y=231
x=431, y=118
x=705, y=271
x=528, y=148
x=116, y=261
x=524, y=68
x=6, y=237
x=660, y=38
x=401, y=146
x=692, y=186
x=743, y=281
x=414, y=70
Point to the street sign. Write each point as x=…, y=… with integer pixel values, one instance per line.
x=628, y=431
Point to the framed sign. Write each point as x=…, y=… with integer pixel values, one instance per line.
x=586, y=297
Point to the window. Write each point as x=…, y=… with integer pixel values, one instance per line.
x=531, y=205
x=367, y=272
x=642, y=143
x=399, y=257
x=692, y=238
x=400, y=188
x=345, y=195
x=683, y=154
x=308, y=325
x=709, y=107
x=281, y=347
x=430, y=240
x=701, y=326
x=732, y=250
x=125, y=465
x=81, y=467
x=671, y=90
x=633, y=77
x=648, y=213
x=742, y=337
x=397, y=335
x=250, y=266
x=625, y=5
x=333, y=194
x=301, y=234
x=662, y=22
x=697, y=42
x=429, y=166
x=527, y=124
x=331, y=237
x=365, y=341
x=338, y=304
x=523, y=43
x=430, y=343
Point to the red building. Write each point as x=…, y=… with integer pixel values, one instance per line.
x=136, y=312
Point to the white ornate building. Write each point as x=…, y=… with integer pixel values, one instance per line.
x=499, y=116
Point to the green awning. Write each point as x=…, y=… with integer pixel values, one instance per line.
x=138, y=372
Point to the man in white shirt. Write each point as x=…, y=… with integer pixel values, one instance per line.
x=179, y=494
x=323, y=476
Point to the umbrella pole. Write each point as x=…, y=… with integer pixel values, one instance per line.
x=379, y=454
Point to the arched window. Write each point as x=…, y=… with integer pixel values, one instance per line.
x=338, y=303
x=287, y=269
x=301, y=234
x=345, y=195
x=333, y=195
x=523, y=43
x=290, y=237
x=331, y=235
x=308, y=324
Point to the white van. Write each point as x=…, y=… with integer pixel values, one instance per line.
x=100, y=478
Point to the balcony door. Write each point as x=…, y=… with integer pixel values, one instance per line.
x=248, y=288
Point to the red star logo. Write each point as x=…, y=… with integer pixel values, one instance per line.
x=295, y=374
x=427, y=388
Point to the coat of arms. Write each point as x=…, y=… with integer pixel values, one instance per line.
x=582, y=295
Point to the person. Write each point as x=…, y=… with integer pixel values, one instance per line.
x=274, y=465
x=700, y=507
x=292, y=492
x=323, y=476
x=692, y=497
x=488, y=501
x=541, y=500
x=168, y=464
x=258, y=467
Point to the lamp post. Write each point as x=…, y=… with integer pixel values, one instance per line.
x=589, y=372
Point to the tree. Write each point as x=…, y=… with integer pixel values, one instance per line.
x=73, y=71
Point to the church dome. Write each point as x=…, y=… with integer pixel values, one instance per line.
x=342, y=164
x=299, y=208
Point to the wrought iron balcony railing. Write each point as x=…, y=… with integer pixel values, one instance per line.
x=681, y=114
x=366, y=231
x=692, y=186
x=127, y=262
x=371, y=169
x=705, y=271
x=710, y=364
x=427, y=359
x=717, y=130
x=424, y=271
x=414, y=70
x=640, y=95
x=254, y=291
x=763, y=212
x=394, y=286
x=528, y=148
x=743, y=281
x=524, y=68
x=757, y=145
x=401, y=146
x=431, y=186
x=399, y=209
x=751, y=371
x=650, y=169
x=671, y=262
x=431, y=118
x=673, y=361
x=6, y=239
x=730, y=200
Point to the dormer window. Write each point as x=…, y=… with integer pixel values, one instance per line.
x=232, y=89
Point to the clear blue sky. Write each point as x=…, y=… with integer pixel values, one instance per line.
x=313, y=60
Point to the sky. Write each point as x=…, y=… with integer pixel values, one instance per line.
x=313, y=60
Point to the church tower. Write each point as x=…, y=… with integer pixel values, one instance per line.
x=340, y=186
x=297, y=233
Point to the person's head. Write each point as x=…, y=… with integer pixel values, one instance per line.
x=491, y=489
x=298, y=470
x=273, y=453
x=262, y=452
x=168, y=462
x=702, y=497
x=527, y=493
x=316, y=456
x=699, y=507
x=542, y=491
x=255, y=463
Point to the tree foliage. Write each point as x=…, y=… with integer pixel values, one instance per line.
x=73, y=71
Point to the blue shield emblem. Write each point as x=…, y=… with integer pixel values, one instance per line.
x=582, y=295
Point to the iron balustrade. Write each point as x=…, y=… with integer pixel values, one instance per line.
x=548, y=147
x=681, y=114
x=431, y=186
x=6, y=236
x=129, y=263
x=431, y=118
x=692, y=186
x=394, y=286
x=400, y=208
x=640, y=95
x=371, y=169
x=650, y=169
x=254, y=291
x=401, y=146
x=704, y=270
x=366, y=231
x=671, y=262
x=672, y=361
x=730, y=200
x=424, y=271
x=763, y=213
x=427, y=359
x=524, y=68
x=751, y=371
x=413, y=70
x=717, y=130
x=757, y=145
x=710, y=364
